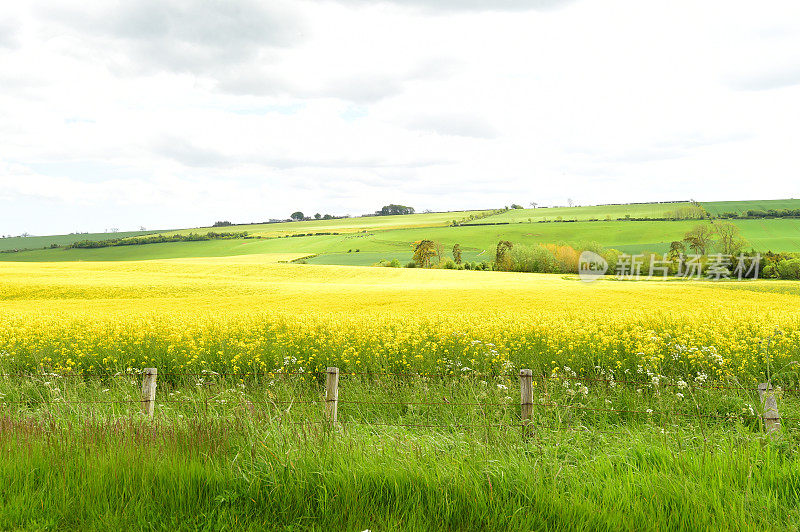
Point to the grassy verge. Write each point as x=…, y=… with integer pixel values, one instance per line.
x=225, y=454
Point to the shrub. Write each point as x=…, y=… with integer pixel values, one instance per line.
x=533, y=259
x=789, y=269
x=566, y=256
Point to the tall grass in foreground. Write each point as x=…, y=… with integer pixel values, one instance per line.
x=234, y=456
x=234, y=475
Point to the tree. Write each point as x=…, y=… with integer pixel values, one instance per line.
x=391, y=210
x=502, y=257
x=730, y=239
x=676, y=249
x=457, y=253
x=439, y=252
x=700, y=238
x=516, y=206
x=533, y=204
x=570, y=202
x=317, y=216
x=424, y=251
x=297, y=216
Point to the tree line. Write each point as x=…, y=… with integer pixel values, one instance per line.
x=155, y=239
x=701, y=246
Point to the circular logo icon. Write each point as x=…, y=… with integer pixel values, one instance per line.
x=591, y=266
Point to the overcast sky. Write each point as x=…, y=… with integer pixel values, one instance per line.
x=163, y=113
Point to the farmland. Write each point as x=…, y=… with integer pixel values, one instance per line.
x=38, y=242
x=741, y=207
x=583, y=213
x=96, y=314
x=236, y=437
x=367, y=240
x=645, y=409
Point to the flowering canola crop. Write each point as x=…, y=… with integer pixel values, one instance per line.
x=250, y=316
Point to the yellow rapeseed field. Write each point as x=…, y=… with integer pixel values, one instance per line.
x=255, y=315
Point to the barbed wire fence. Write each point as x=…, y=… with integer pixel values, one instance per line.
x=768, y=414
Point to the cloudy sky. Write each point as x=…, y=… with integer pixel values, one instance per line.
x=171, y=113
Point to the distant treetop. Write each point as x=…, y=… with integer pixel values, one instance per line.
x=390, y=210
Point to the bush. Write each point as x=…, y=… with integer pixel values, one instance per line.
x=533, y=259
x=789, y=269
x=411, y=264
x=394, y=263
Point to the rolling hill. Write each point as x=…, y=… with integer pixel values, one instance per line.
x=367, y=240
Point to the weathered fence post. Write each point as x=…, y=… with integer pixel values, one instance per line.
x=149, y=391
x=526, y=396
x=331, y=394
x=769, y=405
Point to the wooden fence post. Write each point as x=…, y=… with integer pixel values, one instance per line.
x=769, y=405
x=149, y=391
x=526, y=396
x=331, y=394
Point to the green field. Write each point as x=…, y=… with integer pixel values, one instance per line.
x=592, y=212
x=367, y=240
x=478, y=242
x=343, y=225
x=740, y=207
x=771, y=234
x=633, y=237
x=38, y=242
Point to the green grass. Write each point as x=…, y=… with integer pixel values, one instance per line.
x=368, y=258
x=220, y=456
x=740, y=207
x=38, y=242
x=627, y=236
x=598, y=212
x=342, y=225
x=771, y=234
x=389, y=237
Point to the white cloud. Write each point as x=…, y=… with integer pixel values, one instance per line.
x=168, y=113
